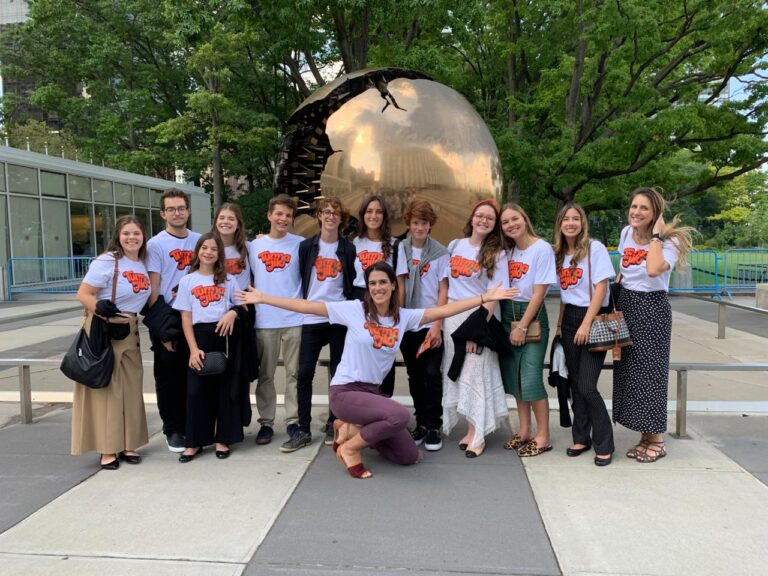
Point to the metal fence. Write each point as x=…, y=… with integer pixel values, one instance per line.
x=53, y=275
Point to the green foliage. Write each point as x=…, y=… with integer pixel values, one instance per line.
x=586, y=100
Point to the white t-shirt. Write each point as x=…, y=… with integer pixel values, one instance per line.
x=368, y=252
x=275, y=267
x=467, y=277
x=170, y=256
x=327, y=281
x=574, y=283
x=431, y=275
x=132, y=281
x=241, y=274
x=633, y=272
x=207, y=301
x=529, y=267
x=369, y=348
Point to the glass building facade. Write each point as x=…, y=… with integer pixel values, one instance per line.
x=52, y=209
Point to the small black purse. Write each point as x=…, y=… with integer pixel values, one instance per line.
x=214, y=362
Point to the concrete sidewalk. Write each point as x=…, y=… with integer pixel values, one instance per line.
x=701, y=510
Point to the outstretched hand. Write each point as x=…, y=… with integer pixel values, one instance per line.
x=498, y=293
x=250, y=296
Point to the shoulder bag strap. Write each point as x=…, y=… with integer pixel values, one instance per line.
x=114, y=279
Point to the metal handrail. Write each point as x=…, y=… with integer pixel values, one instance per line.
x=721, y=310
x=680, y=368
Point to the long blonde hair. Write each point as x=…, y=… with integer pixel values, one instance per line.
x=560, y=244
x=680, y=236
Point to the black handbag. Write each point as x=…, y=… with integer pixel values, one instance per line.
x=214, y=362
x=90, y=359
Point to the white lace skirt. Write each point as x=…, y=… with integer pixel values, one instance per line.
x=478, y=393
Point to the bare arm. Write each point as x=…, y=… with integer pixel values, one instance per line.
x=154, y=288
x=87, y=295
x=195, y=354
x=517, y=336
x=401, y=290
x=559, y=329
x=254, y=296
x=459, y=306
x=655, y=265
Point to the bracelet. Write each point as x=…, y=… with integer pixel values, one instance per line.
x=481, y=299
x=523, y=330
x=657, y=237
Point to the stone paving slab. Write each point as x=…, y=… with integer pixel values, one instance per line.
x=743, y=438
x=83, y=566
x=699, y=511
x=445, y=515
x=205, y=511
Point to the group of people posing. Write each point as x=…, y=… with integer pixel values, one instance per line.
x=460, y=314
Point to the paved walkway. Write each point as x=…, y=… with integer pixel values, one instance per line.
x=702, y=510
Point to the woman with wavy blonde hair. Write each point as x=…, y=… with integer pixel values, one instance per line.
x=584, y=269
x=649, y=249
x=531, y=268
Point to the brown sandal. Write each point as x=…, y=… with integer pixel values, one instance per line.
x=635, y=450
x=652, y=452
x=515, y=443
x=530, y=448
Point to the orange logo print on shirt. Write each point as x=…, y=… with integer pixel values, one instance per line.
x=633, y=257
x=181, y=257
x=234, y=266
x=383, y=336
x=463, y=267
x=424, y=270
x=517, y=269
x=138, y=280
x=570, y=277
x=274, y=260
x=208, y=294
x=327, y=268
x=367, y=258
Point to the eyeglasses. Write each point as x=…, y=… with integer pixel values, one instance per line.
x=479, y=217
x=329, y=214
x=175, y=210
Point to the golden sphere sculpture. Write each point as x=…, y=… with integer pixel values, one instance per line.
x=392, y=132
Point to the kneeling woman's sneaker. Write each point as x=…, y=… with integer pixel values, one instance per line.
x=434, y=441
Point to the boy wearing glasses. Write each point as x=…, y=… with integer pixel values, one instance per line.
x=327, y=264
x=274, y=260
x=168, y=256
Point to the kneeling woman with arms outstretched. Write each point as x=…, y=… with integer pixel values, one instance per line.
x=375, y=328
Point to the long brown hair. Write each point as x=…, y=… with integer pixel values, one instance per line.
x=240, y=241
x=386, y=231
x=114, y=242
x=369, y=308
x=680, y=236
x=560, y=244
x=491, y=244
x=219, y=268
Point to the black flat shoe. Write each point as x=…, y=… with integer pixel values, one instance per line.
x=184, y=458
x=603, y=461
x=113, y=465
x=223, y=454
x=130, y=458
x=572, y=452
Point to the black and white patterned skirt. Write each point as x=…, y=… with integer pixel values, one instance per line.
x=641, y=377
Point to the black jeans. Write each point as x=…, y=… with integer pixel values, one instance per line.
x=170, y=371
x=425, y=380
x=591, y=423
x=313, y=338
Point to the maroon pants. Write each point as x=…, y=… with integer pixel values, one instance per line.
x=383, y=420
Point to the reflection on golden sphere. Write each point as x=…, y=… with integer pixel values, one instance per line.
x=400, y=137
